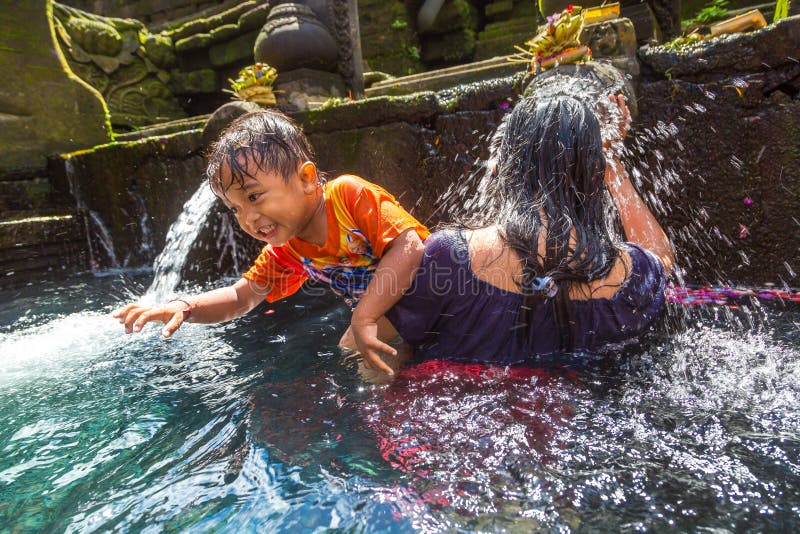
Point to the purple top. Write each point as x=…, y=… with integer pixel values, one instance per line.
x=449, y=313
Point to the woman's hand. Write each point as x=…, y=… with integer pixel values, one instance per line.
x=135, y=316
x=617, y=121
x=370, y=347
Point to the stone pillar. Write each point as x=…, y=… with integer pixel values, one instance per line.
x=351, y=65
x=44, y=107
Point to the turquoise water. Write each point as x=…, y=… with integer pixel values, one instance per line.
x=258, y=425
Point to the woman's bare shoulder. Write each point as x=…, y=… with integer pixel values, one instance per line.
x=492, y=260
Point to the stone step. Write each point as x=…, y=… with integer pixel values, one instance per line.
x=500, y=46
x=31, y=194
x=33, y=246
x=499, y=38
x=164, y=128
x=516, y=25
x=445, y=78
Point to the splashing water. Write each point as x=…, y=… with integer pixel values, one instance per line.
x=182, y=234
x=96, y=231
x=256, y=425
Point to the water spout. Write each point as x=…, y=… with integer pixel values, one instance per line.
x=97, y=235
x=182, y=234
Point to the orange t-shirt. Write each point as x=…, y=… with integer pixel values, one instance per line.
x=363, y=219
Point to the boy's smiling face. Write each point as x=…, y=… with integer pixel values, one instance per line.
x=273, y=209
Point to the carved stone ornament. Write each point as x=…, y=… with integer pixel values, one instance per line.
x=294, y=38
x=108, y=54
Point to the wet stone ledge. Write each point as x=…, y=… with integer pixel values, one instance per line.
x=417, y=108
x=33, y=247
x=698, y=170
x=136, y=189
x=772, y=47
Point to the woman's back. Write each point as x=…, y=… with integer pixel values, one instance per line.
x=499, y=265
x=545, y=275
x=455, y=313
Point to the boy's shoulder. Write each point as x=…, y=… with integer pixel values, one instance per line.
x=347, y=188
x=348, y=182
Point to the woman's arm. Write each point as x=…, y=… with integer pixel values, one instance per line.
x=213, y=306
x=392, y=278
x=640, y=226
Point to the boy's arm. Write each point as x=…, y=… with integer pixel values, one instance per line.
x=213, y=306
x=392, y=278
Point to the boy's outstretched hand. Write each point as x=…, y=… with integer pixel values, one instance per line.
x=370, y=347
x=135, y=316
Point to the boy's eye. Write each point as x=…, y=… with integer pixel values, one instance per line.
x=252, y=197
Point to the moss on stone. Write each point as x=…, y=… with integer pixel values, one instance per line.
x=202, y=81
x=160, y=50
x=46, y=108
x=95, y=37
x=388, y=42
x=192, y=27
x=255, y=18
x=417, y=107
x=224, y=32
x=235, y=51
x=161, y=173
x=193, y=42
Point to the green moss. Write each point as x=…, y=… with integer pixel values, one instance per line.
x=47, y=108
x=95, y=37
x=202, y=81
x=190, y=28
x=235, y=51
x=200, y=40
x=224, y=32
x=417, y=107
x=387, y=39
x=160, y=50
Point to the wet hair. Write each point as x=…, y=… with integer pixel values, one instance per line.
x=549, y=178
x=267, y=139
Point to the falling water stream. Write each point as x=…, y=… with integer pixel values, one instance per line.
x=180, y=238
x=259, y=424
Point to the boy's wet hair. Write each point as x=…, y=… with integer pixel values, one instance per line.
x=266, y=140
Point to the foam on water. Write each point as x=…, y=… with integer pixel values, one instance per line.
x=63, y=342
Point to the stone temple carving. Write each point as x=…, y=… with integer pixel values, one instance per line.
x=148, y=78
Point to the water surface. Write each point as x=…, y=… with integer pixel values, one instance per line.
x=259, y=425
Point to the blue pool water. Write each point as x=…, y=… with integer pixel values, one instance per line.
x=258, y=425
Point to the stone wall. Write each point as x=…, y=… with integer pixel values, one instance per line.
x=714, y=151
x=44, y=107
x=148, y=77
x=726, y=117
x=152, y=12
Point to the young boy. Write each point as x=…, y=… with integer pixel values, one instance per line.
x=347, y=233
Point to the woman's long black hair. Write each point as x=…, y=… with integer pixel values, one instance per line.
x=548, y=179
